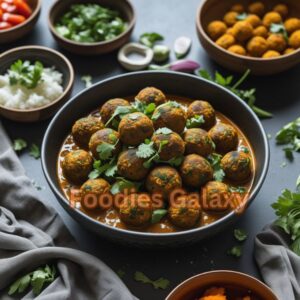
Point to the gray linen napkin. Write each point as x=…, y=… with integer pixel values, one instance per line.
x=279, y=266
x=32, y=234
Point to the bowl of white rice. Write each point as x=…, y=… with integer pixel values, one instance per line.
x=35, y=82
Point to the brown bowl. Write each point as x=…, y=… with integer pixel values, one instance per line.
x=192, y=288
x=123, y=6
x=17, y=32
x=211, y=10
x=49, y=58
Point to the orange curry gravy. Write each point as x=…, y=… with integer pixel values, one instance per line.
x=110, y=217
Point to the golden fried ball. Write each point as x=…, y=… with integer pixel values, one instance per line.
x=257, y=46
x=239, y=8
x=242, y=31
x=225, y=41
x=282, y=9
x=288, y=51
x=216, y=29
x=257, y=8
x=261, y=31
x=271, y=54
x=229, y=31
x=272, y=17
x=254, y=20
x=277, y=42
x=230, y=18
x=292, y=25
x=294, y=40
x=237, y=49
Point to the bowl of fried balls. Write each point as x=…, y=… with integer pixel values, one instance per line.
x=262, y=36
x=136, y=139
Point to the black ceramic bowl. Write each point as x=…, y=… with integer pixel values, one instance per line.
x=171, y=83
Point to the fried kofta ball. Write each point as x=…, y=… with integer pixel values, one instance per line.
x=230, y=18
x=276, y=42
x=224, y=136
x=197, y=141
x=257, y=8
x=77, y=166
x=236, y=165
x=195, y=171
x=257, y=46
x=294, y=40
x=84, y=128
x=163, y=180
x=170, y=115
x=271, y=18
x=91, y=191
x=292, y=25
x=225, y=41
x=105, y=136
x=216, y=29
x=271, y=54
x=242, y=31
x=229, y=31
x=109, y=107
x=134, y=128
x=237, y=49
x=169, y=143
x=202, y=108
x=282, y=9
x=239, y=8
x=254, y=20
x=131, y=166
x=261, y=31
x=215, y=197
x=288, y=51
x=184, y=212
x=136, y=210
x=151, y=95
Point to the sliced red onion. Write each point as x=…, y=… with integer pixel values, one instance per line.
x=184, y=65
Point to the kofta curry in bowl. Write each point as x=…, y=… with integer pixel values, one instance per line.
x=155, y=163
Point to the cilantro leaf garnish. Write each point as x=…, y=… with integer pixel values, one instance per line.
x=121, y=184
x=240, y=235
x=26, y=74
x=158, y=214
x=280, y=29
x=150, y=38
x=160, y=283
x=35, y=151
x=19, y=144
x=235, y=251
x=195, y=122
x=215, y=161
x=36, y=279
x=247, y=95
x=121, y=111
x=145, y=150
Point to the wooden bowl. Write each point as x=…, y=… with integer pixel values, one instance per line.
x=192, y=288
x=123, y=6
x=17, y=32
x=211, y=10
x=49, y=58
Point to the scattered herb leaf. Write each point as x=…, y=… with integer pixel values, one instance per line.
x=121, y=184
x=150, y=38
x=105, y=150
x=240, y=235
x=145, y=150
x=279, y=29
x=235, y=251
x=215, y=161
x=34, y=151
x=158, y=214
x=195, y=122
x=87, y=79
x=121, y=273
x=120, y=112
x=237, y=189
x=19, y=144
x=160, y=283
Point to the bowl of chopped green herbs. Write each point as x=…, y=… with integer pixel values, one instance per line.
x=91, y=28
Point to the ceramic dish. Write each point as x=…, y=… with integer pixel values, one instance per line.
x=129, y=84
x=49, y=58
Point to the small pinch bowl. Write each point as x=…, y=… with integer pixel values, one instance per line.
x=211, y=10
x=15, y=33
x=192, y=288
x=49, y=58
x=127, y=85
x=127, y=13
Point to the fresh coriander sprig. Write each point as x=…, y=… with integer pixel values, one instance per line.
x=36, y=279
x=247, y=95
x=160, y=283
x=215, y=161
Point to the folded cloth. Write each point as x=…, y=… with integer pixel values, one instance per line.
x=32, y=235
x=279, y=266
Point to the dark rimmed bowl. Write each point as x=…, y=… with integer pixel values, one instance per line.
x=127, y=85
x=126, y=10
x=49, y=58
x=210, y=10
x=15, y=33
x=193, y=287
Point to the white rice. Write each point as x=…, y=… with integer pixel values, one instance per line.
x=17, y=96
